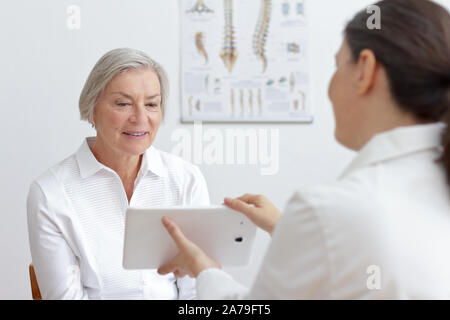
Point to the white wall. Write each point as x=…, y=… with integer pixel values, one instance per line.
x=44, y=66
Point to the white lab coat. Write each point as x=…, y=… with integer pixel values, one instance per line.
x=382, y=231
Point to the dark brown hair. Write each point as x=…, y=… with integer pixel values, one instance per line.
x=413, y=45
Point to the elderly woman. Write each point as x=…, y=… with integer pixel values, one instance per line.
x=383, y=229
x=76, y=208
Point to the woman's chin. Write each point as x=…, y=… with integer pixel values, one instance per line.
x=135, y=148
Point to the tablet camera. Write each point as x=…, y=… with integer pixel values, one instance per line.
x=238, y=239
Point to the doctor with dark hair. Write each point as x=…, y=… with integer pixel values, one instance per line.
x=382, y=230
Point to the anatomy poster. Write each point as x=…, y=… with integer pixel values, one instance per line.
x=245, y=61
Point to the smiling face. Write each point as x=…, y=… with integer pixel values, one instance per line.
x=128, y=112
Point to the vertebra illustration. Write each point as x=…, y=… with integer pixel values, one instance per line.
x=229, y=52
x=232, y=101
x=261, y=31
x=259, y=101
x=200, y=46
x=200, y=8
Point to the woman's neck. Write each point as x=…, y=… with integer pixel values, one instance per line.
x=126, y=166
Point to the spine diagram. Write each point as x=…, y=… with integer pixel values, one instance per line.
x=229, y=52
x=200, y=46
x=250, y=101
x=200, y=8
x=292, y=81
x=241, y=100
x=259, y=101
x=232, y=102
x=261, y=31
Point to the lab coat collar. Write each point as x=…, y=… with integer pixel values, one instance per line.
x=397, y=142
x=89, y=165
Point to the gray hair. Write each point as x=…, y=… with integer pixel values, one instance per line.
x=111, y=64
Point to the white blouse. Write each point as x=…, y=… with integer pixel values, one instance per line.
x=76, y=214
x=382, y=231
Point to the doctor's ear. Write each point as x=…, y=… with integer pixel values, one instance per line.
x=367, y=71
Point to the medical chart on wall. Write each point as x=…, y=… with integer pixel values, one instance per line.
x=244, y=61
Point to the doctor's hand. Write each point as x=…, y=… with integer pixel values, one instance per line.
x=190, y=260
x=257, y=208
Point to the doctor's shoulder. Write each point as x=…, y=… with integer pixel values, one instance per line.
x=351, y=205
x=333, y=231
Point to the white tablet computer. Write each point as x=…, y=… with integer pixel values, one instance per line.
x=224, y=234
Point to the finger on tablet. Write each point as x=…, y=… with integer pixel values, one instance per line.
x=241, y=206
x=254, y=199
x=180, y=240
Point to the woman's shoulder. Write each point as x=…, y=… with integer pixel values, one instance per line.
x=188, y=176
x=58, y=173
x=177, y=165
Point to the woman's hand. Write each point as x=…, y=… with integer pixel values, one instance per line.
x=190, y=260
x=263, y=213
